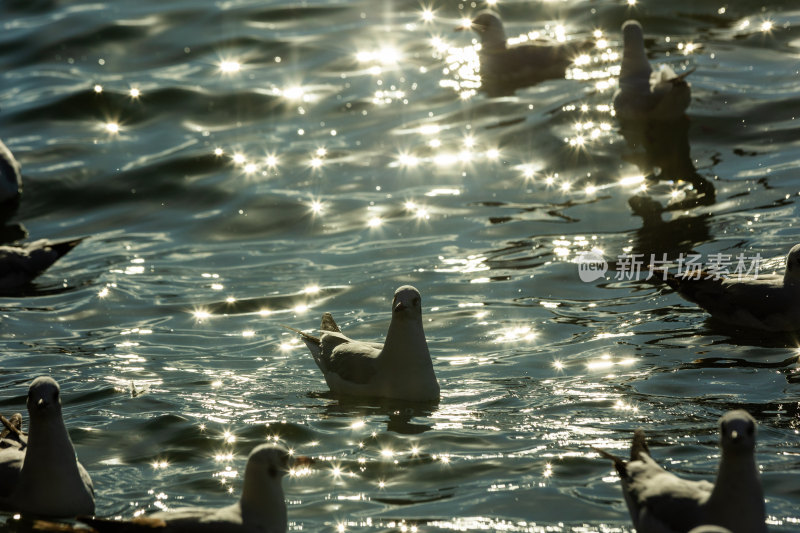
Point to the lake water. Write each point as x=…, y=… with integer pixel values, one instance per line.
x=239, y=165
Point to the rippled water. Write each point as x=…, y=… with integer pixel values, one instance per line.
x=241, y=165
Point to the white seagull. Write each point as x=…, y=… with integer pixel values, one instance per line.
x=19, y=265
x=399, y=369
x=660, y=502
x=505, y=68
x=642, y=93
x=10, y=181
x=44, y=478
x=768, y=301
x=260, y=509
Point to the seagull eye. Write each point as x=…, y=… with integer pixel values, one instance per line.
x=415, y=302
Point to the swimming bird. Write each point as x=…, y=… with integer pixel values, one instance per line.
x=661, y=502
x=768, y=301
x=399, y=369
x=260, y=509
x=12, y=434
x=19, y=265
x=45, y=478
x=642, y=93
x=10, y=182
x=506, y=68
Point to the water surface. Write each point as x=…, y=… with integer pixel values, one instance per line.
x=241, y=165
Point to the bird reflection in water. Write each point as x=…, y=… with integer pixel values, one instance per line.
x=650, y=107
x=401, y=417
x=666, y=157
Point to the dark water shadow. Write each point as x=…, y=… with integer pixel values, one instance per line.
x=741, y=335
x=744, y=336
x=399, y=414
x=787, y=367
x=32, y=290
x=667, y=239
x=412, y=498
x=273, y=303
x=735, y=362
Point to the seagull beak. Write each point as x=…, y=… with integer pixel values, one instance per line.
x=735, y=435
x=399, y=307
x=40, y=403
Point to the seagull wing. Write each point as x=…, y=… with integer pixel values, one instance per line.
x=671, y=94
x=20, y=265
x=10, y=465
x=12, y=436
x=321, y=347
x=87, y=481
x=329, y=324
x=354, y=361
x=764, y=302
x=661, y=500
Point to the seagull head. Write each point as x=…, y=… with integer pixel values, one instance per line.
x=268, y=461
x=262, y=504
x=490, y=29
x=632, y=34
x=792, y=274
x=271, y=462
x=635, y=68
x=407, y=303
x=43, y=396
x=737, y=432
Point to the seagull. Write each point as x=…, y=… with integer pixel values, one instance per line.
x=507, y=68
x=19, y=265
x=261, y=508
x=399, y=369
x=642, y=93
x=660, y=502
x=770, y=302
x=12, y=435
x=10, y=182
x=45, y=478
